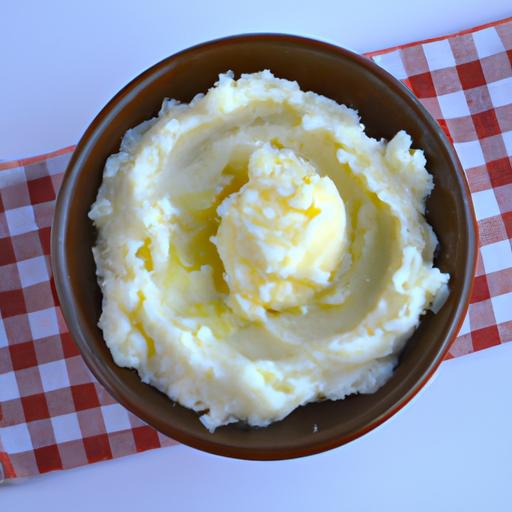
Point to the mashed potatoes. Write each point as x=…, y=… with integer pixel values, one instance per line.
x=257, y=251
x=280, y=237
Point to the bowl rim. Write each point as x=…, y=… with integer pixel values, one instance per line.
x=63, y=286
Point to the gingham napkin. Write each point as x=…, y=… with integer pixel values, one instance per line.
x=54, y=415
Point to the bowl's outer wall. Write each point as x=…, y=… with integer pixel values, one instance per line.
x=385, y=108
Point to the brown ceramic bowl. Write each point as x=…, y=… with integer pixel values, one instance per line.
x=385, y=107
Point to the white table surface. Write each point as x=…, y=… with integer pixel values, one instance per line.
x=450, y=449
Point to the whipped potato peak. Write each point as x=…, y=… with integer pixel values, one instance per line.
x=257, y=251
x=281, y=236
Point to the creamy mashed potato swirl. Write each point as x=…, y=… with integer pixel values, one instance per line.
x=258, y=251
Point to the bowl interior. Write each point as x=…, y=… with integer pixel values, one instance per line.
x=385, y=108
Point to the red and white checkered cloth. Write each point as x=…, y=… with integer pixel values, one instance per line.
x=54, y=415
